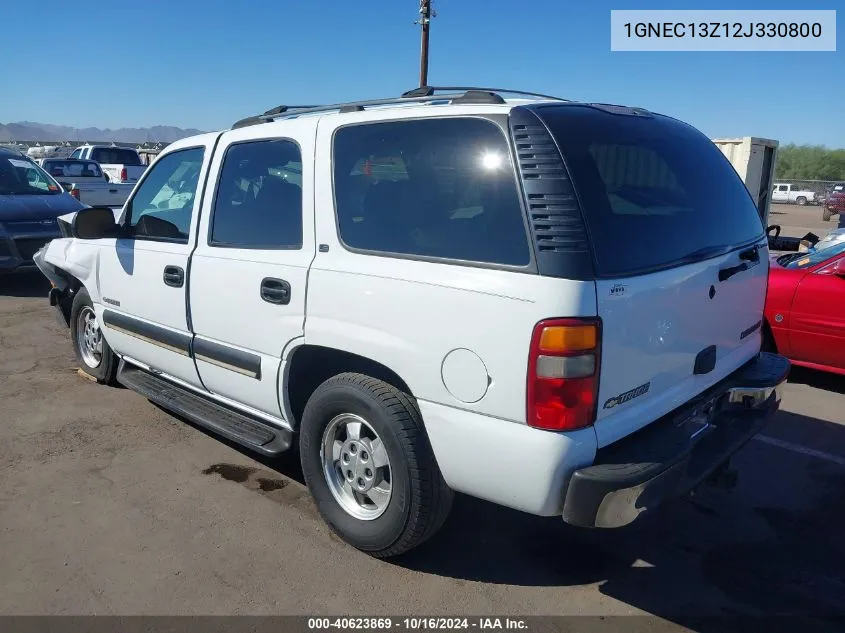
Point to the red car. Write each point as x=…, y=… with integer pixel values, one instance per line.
x=834, y=202
x=805, y=308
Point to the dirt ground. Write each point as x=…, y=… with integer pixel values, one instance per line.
x=109, y=505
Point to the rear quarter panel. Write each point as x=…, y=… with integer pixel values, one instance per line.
x=428, y=320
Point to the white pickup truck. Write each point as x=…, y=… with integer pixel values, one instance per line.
x=120, y=164
x=85, y=181
x=790, y=194
x=438, y=293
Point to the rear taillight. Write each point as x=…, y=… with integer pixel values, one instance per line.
x=75, y=192
x=563, y=374
x=123, y=175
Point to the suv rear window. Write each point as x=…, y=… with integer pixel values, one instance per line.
x=115, y=156
x=443, y=188
x=655, y=192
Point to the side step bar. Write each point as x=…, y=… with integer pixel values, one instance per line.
x=244, y=429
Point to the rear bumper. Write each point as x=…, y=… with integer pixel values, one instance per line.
x=670, y=457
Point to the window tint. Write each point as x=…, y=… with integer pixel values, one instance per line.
x=164, y=201
x=783, y=188
x=20, y=176
x=115, y=155
x=71, y=169
x=435, y=188
x=654, y=191
x=259, y=196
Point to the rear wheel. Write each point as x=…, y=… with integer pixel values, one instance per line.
x=93, y=353
x=801, y=201
x=369, y=467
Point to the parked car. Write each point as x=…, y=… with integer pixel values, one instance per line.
x=30, y=202
x=410, y=293
x=805, y=305
x=84, y=180
x=834, y=201
x=791, y=194
x=120, y=164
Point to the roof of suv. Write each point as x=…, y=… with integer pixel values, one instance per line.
x=483, y=100
x=424, y=96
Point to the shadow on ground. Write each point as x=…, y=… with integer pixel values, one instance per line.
x=817, y=379
x=28, y=284
x=772, y=547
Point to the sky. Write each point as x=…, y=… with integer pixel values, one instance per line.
x=207, y=63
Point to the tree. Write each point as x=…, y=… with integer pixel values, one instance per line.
x=810, y=162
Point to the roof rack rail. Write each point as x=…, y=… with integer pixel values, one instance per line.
x=428, y=91
x=284, y=108
x=352, y=106
x=418, y=95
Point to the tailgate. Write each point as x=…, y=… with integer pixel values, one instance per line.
x=679, y=255
x=670, y=335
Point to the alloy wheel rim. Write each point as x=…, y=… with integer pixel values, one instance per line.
x=356, y=466
x=89, y=338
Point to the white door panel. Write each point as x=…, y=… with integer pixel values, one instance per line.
x=250, y=268
x=660, y=323
x=142, y=278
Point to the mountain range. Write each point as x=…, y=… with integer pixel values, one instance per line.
x=29, y=131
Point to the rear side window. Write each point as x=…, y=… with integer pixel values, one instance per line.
x=115, y=156
x=654, y=191
x=443, y=188
x=259, y=197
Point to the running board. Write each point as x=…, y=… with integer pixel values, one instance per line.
x=244, y=429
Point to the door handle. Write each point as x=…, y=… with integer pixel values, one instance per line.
x=275, y=291
x=174, y=276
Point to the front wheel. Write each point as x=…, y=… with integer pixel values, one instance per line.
x=801, y=201
x=93, y=353
x=369, y=466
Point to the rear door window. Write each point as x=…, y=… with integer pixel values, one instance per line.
x=440, y=188
x=655, y=192
x=259, y=197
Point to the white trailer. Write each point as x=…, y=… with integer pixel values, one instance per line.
x=754, y=160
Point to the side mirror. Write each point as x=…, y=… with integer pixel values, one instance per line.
x=94, y=223
x=838, y=268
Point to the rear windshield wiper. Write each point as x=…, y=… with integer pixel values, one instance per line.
x=704, y=253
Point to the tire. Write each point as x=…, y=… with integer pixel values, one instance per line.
x=419, y=499
x=801, y=201
x=105, y=370
x=826, y=215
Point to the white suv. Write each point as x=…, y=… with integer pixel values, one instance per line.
x=554, y=306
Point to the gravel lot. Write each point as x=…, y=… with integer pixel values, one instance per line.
x=109, y=505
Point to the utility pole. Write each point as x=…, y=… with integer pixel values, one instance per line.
x=426, y=13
